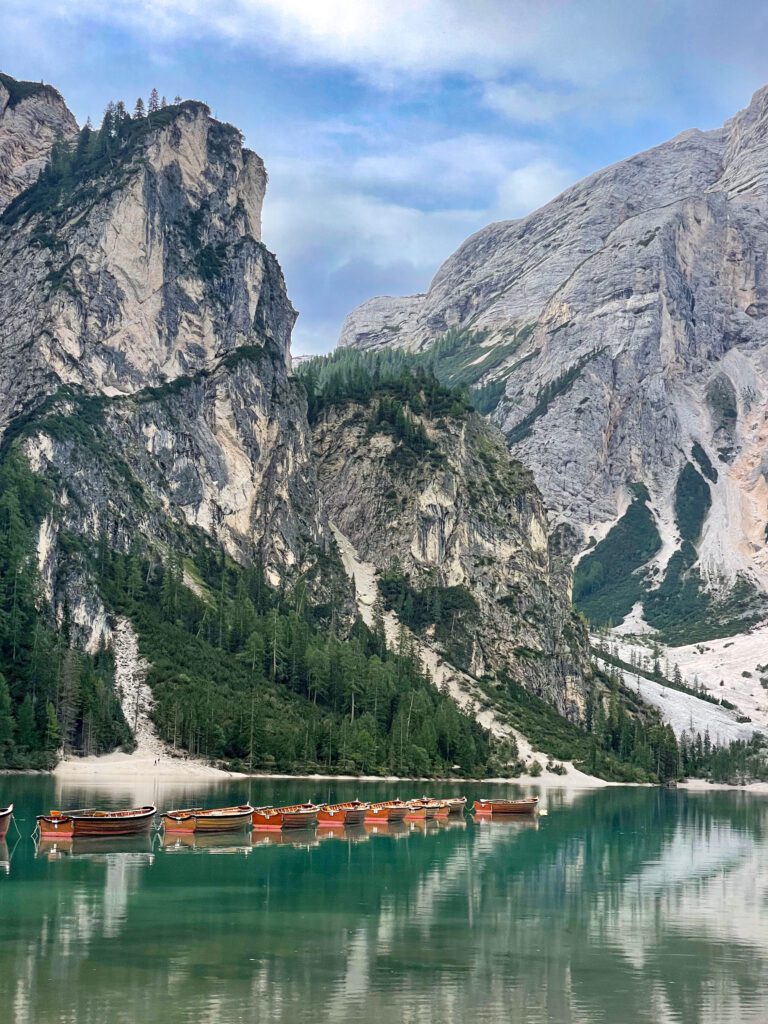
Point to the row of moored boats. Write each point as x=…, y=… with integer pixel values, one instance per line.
x=93, y=822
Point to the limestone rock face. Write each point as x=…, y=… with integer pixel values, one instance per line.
x=141, y=302
x=630, y=321
x=120, y=288
x=468, y=522
x=145, y=373
x=32, y=117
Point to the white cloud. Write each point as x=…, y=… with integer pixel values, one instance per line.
x=528, y=104
x=577, y=42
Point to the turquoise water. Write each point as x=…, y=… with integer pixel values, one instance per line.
x=621, y=906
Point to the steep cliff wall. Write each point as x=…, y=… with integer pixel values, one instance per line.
x=618, y=335
x=139, y=282
x=459, y=536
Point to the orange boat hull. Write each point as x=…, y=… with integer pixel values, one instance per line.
x=417, y=814
x=195, y=821
x=378, y=813
x=335, y=816
x=275, y=819
x=96, y=824
x=500, y=807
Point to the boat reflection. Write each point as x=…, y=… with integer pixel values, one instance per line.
x=452, y=824
x=5, y=858
x=303, y=837
x=426, y=826
x=172, y=842
x=511, y=822
x=138, y=849
x=395, y=829
x=349, y=834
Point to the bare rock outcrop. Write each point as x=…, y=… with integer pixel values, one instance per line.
x=32, y=117
x=622, y=333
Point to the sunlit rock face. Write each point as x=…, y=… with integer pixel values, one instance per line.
x=145, y=371
x=32, y=117
x=631, y=317
x=469, y=523
x=140, y=302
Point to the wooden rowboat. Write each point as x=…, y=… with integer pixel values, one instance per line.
x=218, y=819
x=386, y=810
x=95, y=823
x=456, y=804
x=525, y=805
x=274, y=819
x=432, y=809
x=6, y=816
x=338, y=815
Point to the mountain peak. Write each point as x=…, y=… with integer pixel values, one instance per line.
x=32, y=117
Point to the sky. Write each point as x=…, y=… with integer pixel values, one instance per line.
x=393, y=129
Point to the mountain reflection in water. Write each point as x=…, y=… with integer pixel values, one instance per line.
x=622, y=905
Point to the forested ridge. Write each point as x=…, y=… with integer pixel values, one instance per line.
x=240, y=672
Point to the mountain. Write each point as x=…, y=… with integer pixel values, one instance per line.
x=181, y=514
x=618, y=336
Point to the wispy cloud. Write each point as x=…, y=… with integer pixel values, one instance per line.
x=394, y=128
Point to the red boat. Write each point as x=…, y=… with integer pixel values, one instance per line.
x=6, y=817
x=386, y=810
x=525, y=805
x=338, y=815
x=96, y=823
x=274, y=819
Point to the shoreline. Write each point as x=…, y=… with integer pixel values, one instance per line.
x=119, y=767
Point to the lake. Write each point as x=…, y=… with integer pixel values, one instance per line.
x=621, y=905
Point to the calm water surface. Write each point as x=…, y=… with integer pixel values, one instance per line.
x=620, y=906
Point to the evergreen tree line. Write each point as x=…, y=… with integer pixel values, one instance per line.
x=259, y=679
x=450, y=611
x=652, y=747
x=403, y=379
x=52, y=696
x=95, y=153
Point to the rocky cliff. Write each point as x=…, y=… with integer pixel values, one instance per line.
x=136, y=283
x=619, y=338
x=32, y=117
x=458, y=534
x=146, y=385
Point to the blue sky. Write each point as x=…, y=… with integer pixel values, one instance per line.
x=392, y=129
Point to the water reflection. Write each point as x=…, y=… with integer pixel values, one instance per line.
x=97, y=849
x=232, y=842
x=629, y=906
